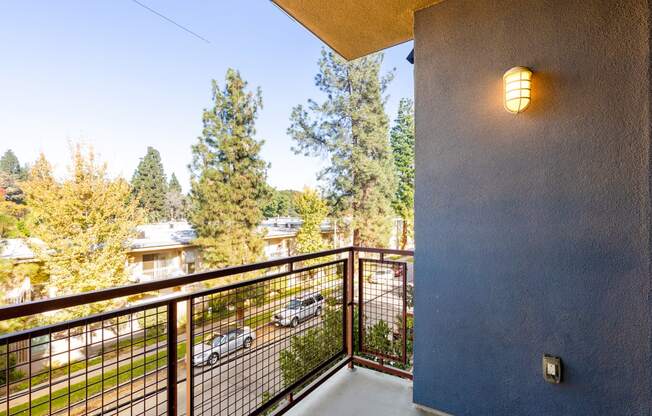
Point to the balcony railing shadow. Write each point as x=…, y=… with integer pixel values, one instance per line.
x=258, y=344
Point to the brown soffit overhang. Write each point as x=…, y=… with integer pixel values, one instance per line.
x=355, y=28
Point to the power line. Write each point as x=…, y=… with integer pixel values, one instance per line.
x=170, y=20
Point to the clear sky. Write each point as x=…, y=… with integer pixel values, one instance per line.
x=111, y=74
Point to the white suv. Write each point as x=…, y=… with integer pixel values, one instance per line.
x=385, y=276
x=299, y=309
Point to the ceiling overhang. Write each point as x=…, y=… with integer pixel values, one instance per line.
x=355, y=28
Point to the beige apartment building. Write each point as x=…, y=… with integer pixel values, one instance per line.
x=162, y=251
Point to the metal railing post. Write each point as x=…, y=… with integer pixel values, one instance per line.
x=172, y=359
x=190, y=369
x=349, y=302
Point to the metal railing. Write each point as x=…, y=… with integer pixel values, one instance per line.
x=256, y=343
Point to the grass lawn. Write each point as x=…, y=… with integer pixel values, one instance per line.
x=124, y=346
x=259, y=319
x=78, y=392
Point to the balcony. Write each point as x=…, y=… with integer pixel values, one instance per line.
x=266, y=338
x=360, y=392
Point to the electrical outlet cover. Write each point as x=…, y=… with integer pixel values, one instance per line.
x=551, y=367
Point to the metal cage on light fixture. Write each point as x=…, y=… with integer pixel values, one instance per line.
x=517, y=88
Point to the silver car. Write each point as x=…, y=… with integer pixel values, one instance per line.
x=221, y=345
x=299, y=309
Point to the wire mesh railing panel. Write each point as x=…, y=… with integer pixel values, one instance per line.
x=382, y=309
x=108, y=363
x=249, y=347
x=257, y=343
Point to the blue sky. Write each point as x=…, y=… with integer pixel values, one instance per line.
x=110, y=74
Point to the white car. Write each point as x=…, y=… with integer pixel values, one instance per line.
x=299, y=309
x=385, y=276
x=221, y=345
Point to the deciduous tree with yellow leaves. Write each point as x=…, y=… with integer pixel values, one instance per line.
x=313, y=210
x=85, y=222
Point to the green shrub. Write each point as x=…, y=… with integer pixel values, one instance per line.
x=8, y=360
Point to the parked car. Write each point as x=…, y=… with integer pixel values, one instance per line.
x=222, y=345
x=384, y=276
x=299, y=309
x=398, y=271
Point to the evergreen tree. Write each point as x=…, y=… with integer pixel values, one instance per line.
x=280, y=203
x=174, y=184
x=85, y=222
x=149, y=186
x=312, y=210
x=402, y=140
x=228, y=185
x=352, y=128
x=9, y=164
x=10, y=174
x=175, y=200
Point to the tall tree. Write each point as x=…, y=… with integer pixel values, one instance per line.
x=175, y=200
x=174, y=184
x=228, y=185
x=10, y=174
x=84, y=222
x=313, y=210
x=9, y=164
x=149, y=186
x=280, y=203
x=351, y=127
x=402, y=140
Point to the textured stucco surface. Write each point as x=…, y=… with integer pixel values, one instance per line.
x=532, y=231
x=355, y=28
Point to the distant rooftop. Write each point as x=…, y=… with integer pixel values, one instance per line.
x=166, y=234
x=181, y=232
x=287, y=226
x=18, y=249
x=163, y=234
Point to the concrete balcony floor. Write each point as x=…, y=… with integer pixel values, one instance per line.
x=360, y=392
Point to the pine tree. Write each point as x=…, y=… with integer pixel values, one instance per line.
x=228, y=185
x=175, y=200
x=84, y=221
x=10, y=174
x=9, y=164
x=402, y=140
x=174, y=184
x=312, y=210
x=149, y=186
x=352, y=128
x=280, y=203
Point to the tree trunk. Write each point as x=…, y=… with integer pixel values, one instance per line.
x=404, y=235
x=240, y=314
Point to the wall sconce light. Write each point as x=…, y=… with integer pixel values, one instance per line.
x=517, y=86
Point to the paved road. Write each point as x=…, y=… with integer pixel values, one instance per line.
x=238, y=384
x=241, y=381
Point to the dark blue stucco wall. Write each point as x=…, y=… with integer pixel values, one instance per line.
x=532, y=231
